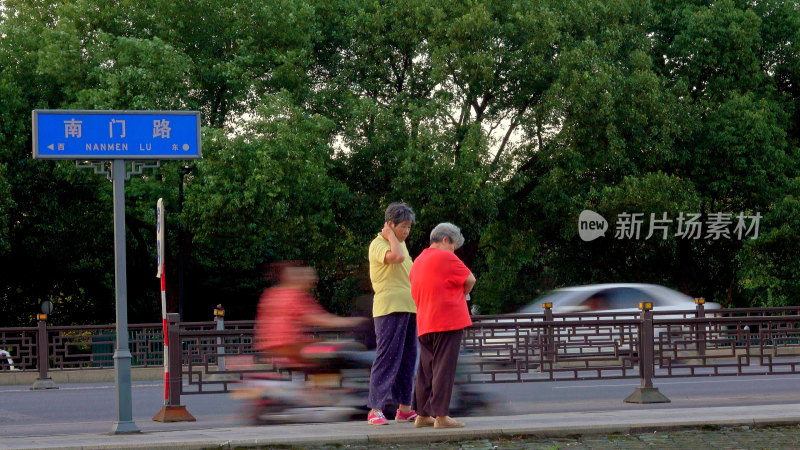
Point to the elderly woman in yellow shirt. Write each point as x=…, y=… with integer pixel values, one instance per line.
x=395, y=318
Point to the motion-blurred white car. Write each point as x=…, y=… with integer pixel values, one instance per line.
x=600, y=302
x=613, y=298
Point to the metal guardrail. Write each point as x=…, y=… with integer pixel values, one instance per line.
x=558, y=347
x=540, y=350
x=500, y=349
x=87, y=347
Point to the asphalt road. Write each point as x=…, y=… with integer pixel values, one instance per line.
x=90, y=408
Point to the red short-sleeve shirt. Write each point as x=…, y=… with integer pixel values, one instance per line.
x=280, y=318
x=437, y=286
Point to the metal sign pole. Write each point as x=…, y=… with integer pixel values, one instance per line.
x=117, y=136
x=122, y=354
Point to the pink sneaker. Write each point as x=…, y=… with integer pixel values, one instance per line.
x=405, y=417
x=377, y=418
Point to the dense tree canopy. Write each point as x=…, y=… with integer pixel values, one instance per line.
x=505, y=117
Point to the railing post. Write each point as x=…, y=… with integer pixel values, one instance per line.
x=701, y=327
x=550, y=343
x=647, y=393
x=175, y=356
x=173, y=411
x=43, y=356
x=219, y=318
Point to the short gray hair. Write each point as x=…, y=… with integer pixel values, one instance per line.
x=449, y=231
x=399, y=212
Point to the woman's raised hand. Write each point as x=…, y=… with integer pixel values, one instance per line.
x=387, y=232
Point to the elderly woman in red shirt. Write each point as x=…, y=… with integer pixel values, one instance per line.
x=439, y=284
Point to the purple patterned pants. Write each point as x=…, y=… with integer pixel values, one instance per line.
x=396, y=355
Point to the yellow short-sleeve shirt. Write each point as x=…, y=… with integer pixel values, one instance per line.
x=389, y=281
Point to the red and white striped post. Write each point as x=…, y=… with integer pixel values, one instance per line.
x=172, y=411
x=160, y=232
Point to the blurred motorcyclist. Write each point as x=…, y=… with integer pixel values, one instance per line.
x=287, y=312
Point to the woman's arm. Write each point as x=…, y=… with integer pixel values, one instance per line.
x=469, y=283
x=328, y=320
x=395, y=255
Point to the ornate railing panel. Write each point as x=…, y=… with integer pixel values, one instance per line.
x=732, y=345
x=20, y=343
x=92, y=346
x=532, y=349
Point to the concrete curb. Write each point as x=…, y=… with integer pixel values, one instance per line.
x=633, y=422
x=65, y=376
x=20, y=378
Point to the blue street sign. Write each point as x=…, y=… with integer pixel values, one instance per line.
x=103, y=135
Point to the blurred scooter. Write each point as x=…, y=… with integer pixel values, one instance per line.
x=326, y=391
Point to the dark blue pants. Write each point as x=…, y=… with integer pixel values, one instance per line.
x=396, y=355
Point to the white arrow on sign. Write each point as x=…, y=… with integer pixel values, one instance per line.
x=50, y=146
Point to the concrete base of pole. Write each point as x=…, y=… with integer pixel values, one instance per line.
x=646, y=395
x=43, y=383
x=173, y=414
x=128, y=427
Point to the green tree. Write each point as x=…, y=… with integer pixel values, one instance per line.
x=506, y=117
x=769, y=264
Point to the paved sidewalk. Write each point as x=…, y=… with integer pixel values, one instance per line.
x=659, y=418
